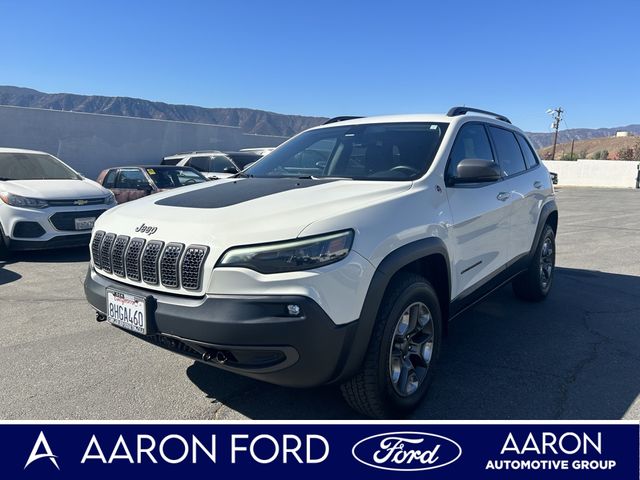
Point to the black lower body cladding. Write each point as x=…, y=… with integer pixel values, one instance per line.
x=253, y=336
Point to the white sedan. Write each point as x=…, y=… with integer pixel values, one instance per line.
x=44, y=203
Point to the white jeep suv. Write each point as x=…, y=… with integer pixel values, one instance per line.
x=45, y=203
x=339, y=257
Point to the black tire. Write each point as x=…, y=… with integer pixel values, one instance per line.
x=4, y=251
x=371, y=391
x=533, y=285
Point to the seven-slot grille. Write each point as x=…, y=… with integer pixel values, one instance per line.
x=173, y=265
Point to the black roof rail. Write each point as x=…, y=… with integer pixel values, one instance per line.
x=455, y=111
x=340, y=119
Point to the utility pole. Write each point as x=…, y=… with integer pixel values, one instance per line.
x=557, y=117
x=572, y=142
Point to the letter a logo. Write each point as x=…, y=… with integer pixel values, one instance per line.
x=41, y=444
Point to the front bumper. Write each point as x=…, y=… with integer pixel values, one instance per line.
x=60, y=241
x=251, y=335
x=51, y=227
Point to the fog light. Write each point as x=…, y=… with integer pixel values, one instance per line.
x=294, y=310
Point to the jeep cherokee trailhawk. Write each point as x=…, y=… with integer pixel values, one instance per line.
x=339, y=257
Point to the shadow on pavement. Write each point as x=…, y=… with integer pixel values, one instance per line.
x=7, y=276
x=62, y=255
x=573, y=356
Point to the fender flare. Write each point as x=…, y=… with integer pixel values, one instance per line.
x=388, y=267
x=545, y=212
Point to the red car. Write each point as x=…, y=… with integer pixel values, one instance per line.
x=130, y=183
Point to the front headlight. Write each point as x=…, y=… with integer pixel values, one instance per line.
x=110, y=199
x=23, y=202
x=293, y=255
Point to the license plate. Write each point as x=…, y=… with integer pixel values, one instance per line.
x=85, y=223
x=127, y=311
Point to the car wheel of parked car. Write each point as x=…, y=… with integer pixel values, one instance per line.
x=404, y=346
x=4, y=251
x=535, y=283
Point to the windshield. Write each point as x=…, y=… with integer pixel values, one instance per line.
x=175, y=177
x=34, y=166
x=382, y=151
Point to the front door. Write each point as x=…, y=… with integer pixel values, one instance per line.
x=481, y=214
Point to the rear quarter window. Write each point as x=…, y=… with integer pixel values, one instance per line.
x=530, y=157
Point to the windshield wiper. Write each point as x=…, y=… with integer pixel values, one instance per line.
x=312, y=177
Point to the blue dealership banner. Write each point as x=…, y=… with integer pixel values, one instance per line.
x=371, y=450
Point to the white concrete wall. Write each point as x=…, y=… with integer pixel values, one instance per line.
x=595, y=173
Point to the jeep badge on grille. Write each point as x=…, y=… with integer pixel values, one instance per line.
x=146, y=229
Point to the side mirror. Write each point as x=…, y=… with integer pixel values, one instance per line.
x=476, y=170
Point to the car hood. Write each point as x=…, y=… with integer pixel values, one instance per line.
x=54, y=189
x=243, y=211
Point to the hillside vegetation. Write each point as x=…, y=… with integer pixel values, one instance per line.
x=611, y=148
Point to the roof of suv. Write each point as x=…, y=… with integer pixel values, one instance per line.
x=418, y=117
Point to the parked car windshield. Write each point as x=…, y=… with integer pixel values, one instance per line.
x=172, y=177
x=381, y=151
x=34, y=166
x=242, y=159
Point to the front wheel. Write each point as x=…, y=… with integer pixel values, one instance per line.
x=534, y=284
x=4, y=251
x=404, y=346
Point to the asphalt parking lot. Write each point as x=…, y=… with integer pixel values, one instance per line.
x=574, y=356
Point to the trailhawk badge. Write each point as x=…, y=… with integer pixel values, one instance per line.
x=406, y=451
x=37, y=454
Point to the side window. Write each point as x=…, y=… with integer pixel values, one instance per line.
x=199, y=163
x=508, y=151
x=471, y=142
x=110, y=179
x=529, y=156
x=219, y=163
x=132, y=179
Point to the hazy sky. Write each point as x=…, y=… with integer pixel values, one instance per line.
x=337, y=57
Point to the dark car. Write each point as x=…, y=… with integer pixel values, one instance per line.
x=243, y=159
x=130, y=183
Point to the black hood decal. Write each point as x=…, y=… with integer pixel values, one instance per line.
x=238, y=191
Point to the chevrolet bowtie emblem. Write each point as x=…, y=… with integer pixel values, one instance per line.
x=81, y=202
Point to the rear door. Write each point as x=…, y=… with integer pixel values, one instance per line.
x=481, y=215
x=520, y=185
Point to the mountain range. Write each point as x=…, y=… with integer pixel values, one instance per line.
x=249, y=120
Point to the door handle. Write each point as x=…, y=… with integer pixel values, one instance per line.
x=537, y=184
x=503, y=196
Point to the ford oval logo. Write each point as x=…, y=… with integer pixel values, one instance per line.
x=406, y=451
